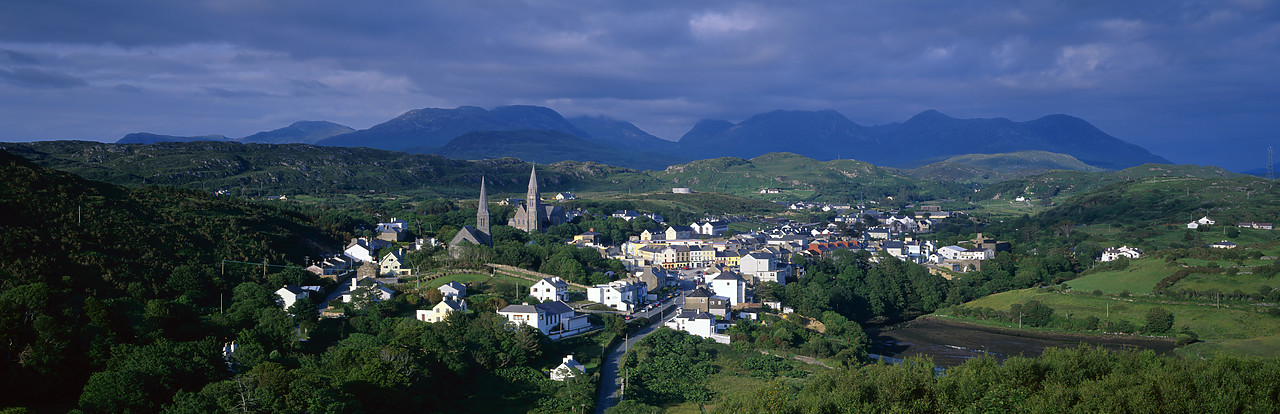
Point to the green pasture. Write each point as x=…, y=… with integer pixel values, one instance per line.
x=1213, y=324
x=1139, y=278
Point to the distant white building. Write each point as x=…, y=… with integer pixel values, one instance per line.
x=1113, y=253
x=624, y=295
x=697, y=323
x=555, y=319
x=762, y=267
x=549, y=289
x=441, y=310
x=290, y=294
x=730, y=285
x=569, y=368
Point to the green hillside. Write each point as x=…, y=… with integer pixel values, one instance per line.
x=803, y=178
x=993, y=168
x=294, y=169
x=88, y=269
x=1060, y=185
x=1174, y=200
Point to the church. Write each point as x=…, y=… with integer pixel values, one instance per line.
x=479, y=234
x=533, y=216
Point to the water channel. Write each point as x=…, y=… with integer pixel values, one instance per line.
x=950, y=343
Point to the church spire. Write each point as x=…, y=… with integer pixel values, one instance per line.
x=531, y=202
x=482, y=213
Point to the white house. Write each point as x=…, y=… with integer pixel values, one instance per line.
x=951, y=252
x=566, y=196
x=441, y=310
x=761, y=267
x=453, y=290
x=555, y=319
x=626, y=214
x=624, y=295
x=697, y=323
x=569, y=368
x=1113, y=253
x=730, y=285
x=549, y=289
x=1223, y=245
x=710, y=228
x=358, y=285
x=363, y=249
x=290, y=294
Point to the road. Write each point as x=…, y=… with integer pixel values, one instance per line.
x=610, y=383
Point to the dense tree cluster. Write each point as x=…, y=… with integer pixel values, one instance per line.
x=669, y=367
x=1082, y=380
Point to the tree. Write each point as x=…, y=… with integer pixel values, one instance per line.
x=305, y=313
x=1159, y=320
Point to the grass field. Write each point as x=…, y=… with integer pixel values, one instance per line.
x=1248, y=283
x=1139, y=278
x=1007, y=208
x=1233, y=322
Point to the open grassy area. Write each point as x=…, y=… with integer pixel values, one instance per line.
x=462, y=278
x=1232, y=322
x=1248, y=283
x=1009, y=208
x=1260, y=347
x=1139, y=278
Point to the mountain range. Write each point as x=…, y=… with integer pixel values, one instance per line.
x=534, y=133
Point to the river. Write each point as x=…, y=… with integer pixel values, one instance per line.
x=950, y=343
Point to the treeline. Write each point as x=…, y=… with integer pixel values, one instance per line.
x=1082, y=380
x=850, y=284
x=842, y=340
x=371, y=361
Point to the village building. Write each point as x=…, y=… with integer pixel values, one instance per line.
x=480, y=234
x=555, y=319
x=549, y=289
x=442, y=310
x=567, y=369
x=533, y=216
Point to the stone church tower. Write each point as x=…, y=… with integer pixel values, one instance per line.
x=528, y=217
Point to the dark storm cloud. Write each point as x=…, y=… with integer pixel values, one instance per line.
x=1161, y=74
x=39, y=79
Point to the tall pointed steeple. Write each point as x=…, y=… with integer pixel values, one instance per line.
x=532, y=206
x=482, y=213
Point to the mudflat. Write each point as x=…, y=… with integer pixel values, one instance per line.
x=951, y=342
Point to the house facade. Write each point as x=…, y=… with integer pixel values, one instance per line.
x=549, y=289
x=555, y=319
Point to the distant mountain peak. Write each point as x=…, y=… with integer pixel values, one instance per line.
x=300, y=132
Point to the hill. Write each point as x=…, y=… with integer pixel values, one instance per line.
x=304, y=132
x=1173, y=200
x=271, y=169
x=435, y=127
x=91, y=271
x=1059, y=185
x=990, y=168
x=620, y=134
x=149, y=138
x=826, y=135
x=803, y=178
x=545, y=147
x=815, y=134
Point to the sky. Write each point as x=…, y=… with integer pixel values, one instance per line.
x=1193, y=81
